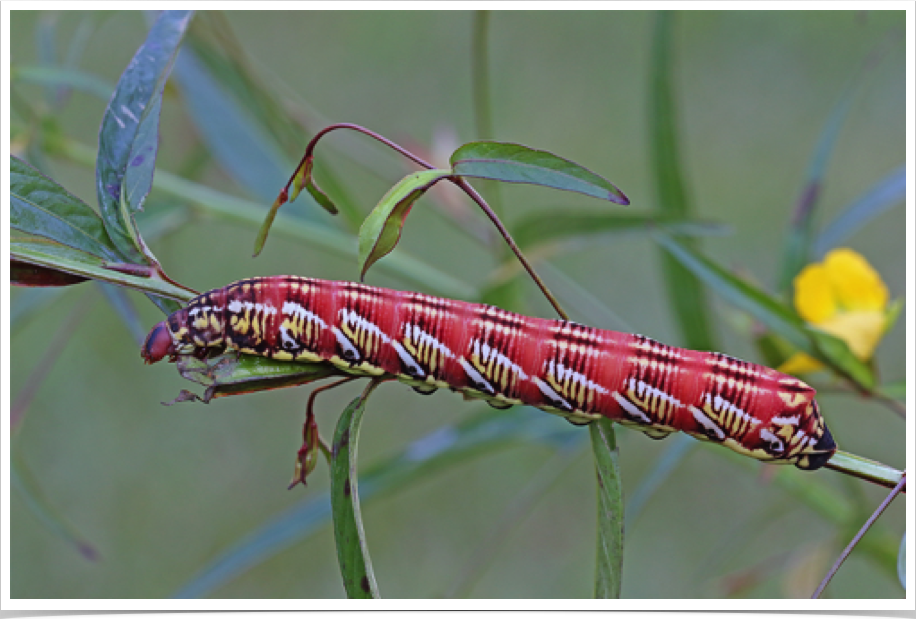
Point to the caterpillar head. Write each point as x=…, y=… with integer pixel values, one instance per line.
x=158, y=344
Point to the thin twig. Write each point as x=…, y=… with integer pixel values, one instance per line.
x=862, y=532
x=457, y=180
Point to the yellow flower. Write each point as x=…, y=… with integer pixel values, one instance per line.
x=845, y=297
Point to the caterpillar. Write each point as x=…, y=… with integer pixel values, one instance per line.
x=578, y=372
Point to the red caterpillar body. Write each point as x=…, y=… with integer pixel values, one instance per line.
x=565, y=368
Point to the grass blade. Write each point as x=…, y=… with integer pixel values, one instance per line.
x=352, y=553
x=57, y=77
x=399, y=264
x=609, y=568
x=687, y=299
x=441, y=449
x=247, y=153
x=775, y=314
x=29, y=491
x=563, y=225
x=886, y=193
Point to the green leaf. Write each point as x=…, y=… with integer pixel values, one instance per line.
x=609, y=567
x=563, y=225
x=901, y=561
x=58, y=76
x=895, y=390
x=440, y=450
x=688, y=301
x=29, y=491
x=678, y=447
x=122, y=304
x=28, y=304
x=797, y=247
x=234, y=374
x=246, y=152
x=771, y=312
x=381, y=230
x=62, y=258
x=515, y=163
x=335, y=242
x=352, y=553
x=888, y=192
x=41, y=207
x=128, y=138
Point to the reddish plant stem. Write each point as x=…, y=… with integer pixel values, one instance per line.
x=457, y=180
x=301, y=473
x=865, y=527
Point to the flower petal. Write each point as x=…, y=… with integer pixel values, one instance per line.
x=861, y=330
x=856, y=284
x=800, y=363
x=814, y=296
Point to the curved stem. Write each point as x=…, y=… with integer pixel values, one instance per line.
x=510, y=242
x=865, y=527
x=460, y=182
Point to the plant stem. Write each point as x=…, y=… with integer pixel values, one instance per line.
x=863, y=468
x=855, y=540
x=457, y=180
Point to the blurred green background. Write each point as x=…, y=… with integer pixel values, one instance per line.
x=161, y=492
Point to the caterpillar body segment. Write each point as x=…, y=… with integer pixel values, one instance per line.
x=565, y=368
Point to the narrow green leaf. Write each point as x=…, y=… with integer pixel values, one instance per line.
x=57, y=77
x=609, y=568
x=231, y=208
x=220, y=52
x=128, y=138
x=41, y=207
x=246, y=152
x=381, y=230
x=30, y=492
x=886, y=193
x=68, y=260
x=224, y=57
x=901, y=561
x=352, y=553
x=678, y=447
x=319, y=196
x=480, y=75
x=440, y=450
x=515, y=163
x=771, y=312
x=304, y=179
x=797, y=248
x=234, y=374
x=896, y=390
x=29, y=304
x=124, y=307
x=687, y=298
x=564, y=225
